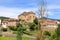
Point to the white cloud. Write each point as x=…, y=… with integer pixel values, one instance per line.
x=53, y=6
x=13, y=12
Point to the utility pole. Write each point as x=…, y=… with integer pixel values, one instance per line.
x=42, y=14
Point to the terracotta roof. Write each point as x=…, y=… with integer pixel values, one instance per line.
x=11, y=20
x=48, y=21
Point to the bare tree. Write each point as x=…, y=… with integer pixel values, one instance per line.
x=42, y=13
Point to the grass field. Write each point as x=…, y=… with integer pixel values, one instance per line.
x=14, y=38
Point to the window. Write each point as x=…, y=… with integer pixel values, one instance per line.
x=33, y=16
x=28, y=19
x=25, y=16
x=30, y=16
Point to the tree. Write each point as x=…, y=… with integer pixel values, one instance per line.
x=58, y=32
x=36, y=21
x=36, y=27
x=13, y=28
x=32, y=26
x=20, y=31
x=47, y=33
x=56, y=36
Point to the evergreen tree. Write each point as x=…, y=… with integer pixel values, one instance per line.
x=56, y=36
x=36, y=21
x=32, y=26
x=20, y=31
x=58, y=32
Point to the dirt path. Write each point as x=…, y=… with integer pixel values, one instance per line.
x=30, y=36
x=8, y=34
x=14, y=35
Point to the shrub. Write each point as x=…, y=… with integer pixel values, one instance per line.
x=14, y=32
x=32, y=26
x=4, y=29
x=12, y=28
x=20, y=31
x=47, y=33
x=0, y=35
x=36, y=21
x=58, y=32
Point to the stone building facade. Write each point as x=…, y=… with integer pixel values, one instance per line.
x=27, y=16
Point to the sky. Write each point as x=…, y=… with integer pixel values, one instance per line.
x=12, y=8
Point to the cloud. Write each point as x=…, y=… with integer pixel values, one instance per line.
x=53, y=9
x=53, y=6
x=13, y=12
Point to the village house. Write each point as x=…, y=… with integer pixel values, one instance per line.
x=9, y=22
x=12, y=22
x=58, y=21
x=27, y=16
x=5, y=23
x=0, y=23
x=49, y=24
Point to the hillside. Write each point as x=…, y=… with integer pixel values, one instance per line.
x=51, y=18
x=1, y=17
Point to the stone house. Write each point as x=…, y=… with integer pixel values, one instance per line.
x=4, y=24
x=9, y=22
x=48, y=24
x=12, y=22
x=27, y=16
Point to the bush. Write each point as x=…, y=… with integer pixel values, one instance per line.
x=12, y=28
x=4, y=29
x=14, y=32
x=47, y=33
x=20, y=31
x=0, y=35
x=58, y=31
x=32, y=26
x=36, y=21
